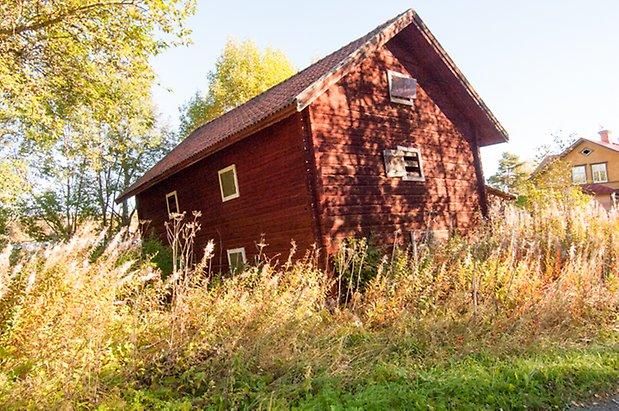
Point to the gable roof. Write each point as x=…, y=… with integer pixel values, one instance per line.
x=297, y=92
x=552, y=157
x=611, y=146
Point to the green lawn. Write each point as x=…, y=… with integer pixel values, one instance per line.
x=400, y=378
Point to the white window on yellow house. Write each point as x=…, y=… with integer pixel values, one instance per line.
x=599, y=173
x=579, y=175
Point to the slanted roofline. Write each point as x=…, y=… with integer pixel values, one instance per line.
x=297, y=92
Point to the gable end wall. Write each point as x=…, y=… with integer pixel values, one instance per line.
x=599, y=154
x=352, y=123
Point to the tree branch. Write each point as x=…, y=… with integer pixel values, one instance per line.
x=9, y=32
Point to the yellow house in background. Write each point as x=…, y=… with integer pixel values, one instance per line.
x=595, y=166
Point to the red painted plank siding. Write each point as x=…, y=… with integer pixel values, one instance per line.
x=353, y=122
x=274, y=198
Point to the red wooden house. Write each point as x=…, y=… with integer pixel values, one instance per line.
x=381, y=135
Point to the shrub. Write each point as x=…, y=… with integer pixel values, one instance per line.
x=159, y=254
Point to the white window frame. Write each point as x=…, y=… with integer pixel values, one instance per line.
x=237, y=194
x=399, y=153
x=231, y=251
x=593, y=173
x=395, y=99
x=167, y=202
x=589, y=151
x=584, y=167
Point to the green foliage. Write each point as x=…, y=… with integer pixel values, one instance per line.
x=553, y=187
x=475, y=381
x=241, y=72
x=511, y=174
x=356, y=263
x=159, y=255
x=55, y=215
x=4, y=225
x=57, y=55
x=13, y=184
x=76, y=120
x=91, y=162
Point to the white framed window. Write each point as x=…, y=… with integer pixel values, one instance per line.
x=172, y=203
x=579, y=174
x=586, y=151
x=236, y=259
x=599, y=174
x=404, y=163
x=228, y=183
x=402, y=88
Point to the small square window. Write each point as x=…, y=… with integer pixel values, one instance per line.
x=172, y=203
x=579, y=175
x=599, y=174
x=405, y=163
x=236, y=259
x=228, y=183
x=402, y=88
x=586, y=151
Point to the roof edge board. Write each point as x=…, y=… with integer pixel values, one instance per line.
x=226, y=142
x=311, y=93
x=440, y=51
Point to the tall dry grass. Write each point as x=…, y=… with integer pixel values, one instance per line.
x=81, y=327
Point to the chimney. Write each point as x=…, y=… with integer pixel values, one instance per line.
x=604, y=136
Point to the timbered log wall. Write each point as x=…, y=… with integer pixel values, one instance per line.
x=354, y=121
x=274, y=197
x=318, y=176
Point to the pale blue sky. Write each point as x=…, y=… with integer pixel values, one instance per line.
x=541, y=66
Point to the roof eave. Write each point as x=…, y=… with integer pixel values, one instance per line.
x=498, y=134
x=311, y=93
x=139, y=187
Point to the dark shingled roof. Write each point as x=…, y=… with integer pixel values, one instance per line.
x=598, y=189
x=293, y=94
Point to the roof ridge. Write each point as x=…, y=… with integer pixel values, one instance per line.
x=372, y=36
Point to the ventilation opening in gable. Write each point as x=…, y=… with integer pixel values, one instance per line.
x=402, y=88
x=586, y=151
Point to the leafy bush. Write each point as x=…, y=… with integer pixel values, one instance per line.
x=158, y=254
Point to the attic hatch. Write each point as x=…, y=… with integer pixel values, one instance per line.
x=402, y=88
x=586, y=151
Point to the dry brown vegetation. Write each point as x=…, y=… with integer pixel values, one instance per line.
x=84, y=325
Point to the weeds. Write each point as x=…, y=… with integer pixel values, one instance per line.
x=523, y=315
